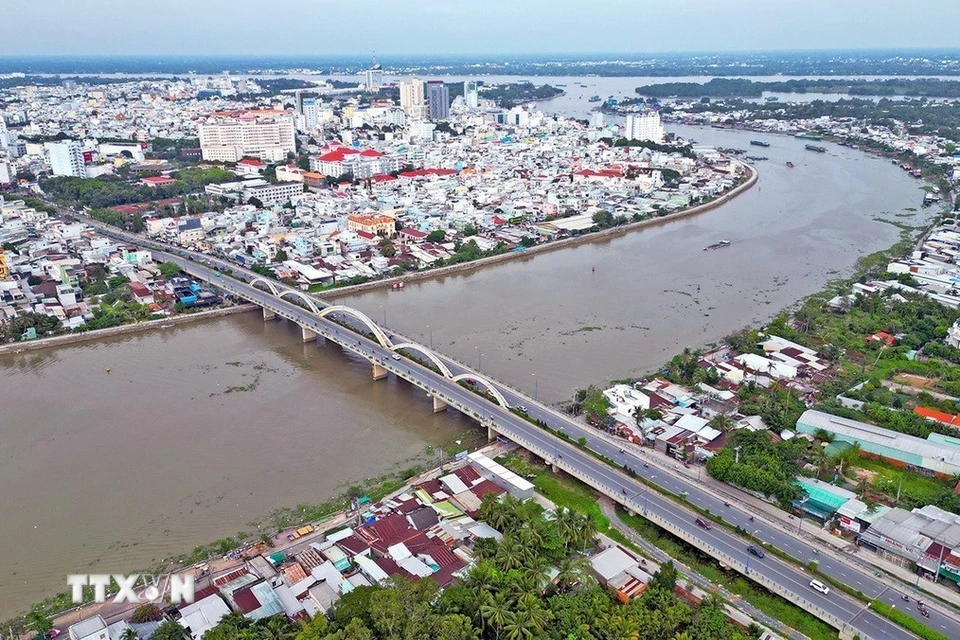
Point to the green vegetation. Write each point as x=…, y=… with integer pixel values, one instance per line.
x=906, y=621
x=437, y=235
x=109, y=191
x=761, y=465
x=15, y=328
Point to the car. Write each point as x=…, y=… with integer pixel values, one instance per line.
x=755, y=551
x=706, y=524
x=816, y=585
x=396, y=356
x=521, y=407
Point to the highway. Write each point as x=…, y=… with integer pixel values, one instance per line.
x=793, y=582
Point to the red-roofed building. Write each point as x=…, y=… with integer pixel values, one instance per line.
x=157, y=181
x=249, y=167
x=338, y=161
x=938, y=416
x=412, y=235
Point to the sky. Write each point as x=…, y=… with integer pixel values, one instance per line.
x=401, y=27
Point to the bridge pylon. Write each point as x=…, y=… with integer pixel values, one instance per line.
x=268, y=315
x=379, y=372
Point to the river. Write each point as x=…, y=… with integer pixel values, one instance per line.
x=111, y=471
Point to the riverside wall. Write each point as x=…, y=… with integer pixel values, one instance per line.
x=98, y=334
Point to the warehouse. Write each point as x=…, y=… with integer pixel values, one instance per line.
x=938, y=455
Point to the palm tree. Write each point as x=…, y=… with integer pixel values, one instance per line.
x=682, y=635
x=721, y=422
x=529, y=620
x=129, y=634
x=572, y=572
x=510, y=554
x=495, y=611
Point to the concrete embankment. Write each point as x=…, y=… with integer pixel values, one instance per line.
x=599, y=236
x=99, y=334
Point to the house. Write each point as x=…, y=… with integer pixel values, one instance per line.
x=622, y=572
x=141, y=292
x=91, y=629
x=203, y=613
x=383, y=226
x=157, y=181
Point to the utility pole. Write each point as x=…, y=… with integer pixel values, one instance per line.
x=536, y=386
x=737, y=450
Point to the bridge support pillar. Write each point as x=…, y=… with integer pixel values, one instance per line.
x=267, y=314
x=439, y=405
x=307, y=334
x=491, y=434
x=379, y=373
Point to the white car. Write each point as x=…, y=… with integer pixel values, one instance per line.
x=816, y=585
x=396, y=356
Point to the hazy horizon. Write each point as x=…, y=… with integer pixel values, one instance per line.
x=437, y=27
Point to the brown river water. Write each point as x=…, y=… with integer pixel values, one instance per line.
x=109, y=472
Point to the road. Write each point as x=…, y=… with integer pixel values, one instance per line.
x=717, y=541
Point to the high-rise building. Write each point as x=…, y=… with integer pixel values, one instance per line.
x=411, y=98
x=308, y=111
x=4, y=134
x=438, y=100
x=644, y=126
x=596, y=120
x=264, y=134
x=66, y=158
x=471, y=97
x=374, y=78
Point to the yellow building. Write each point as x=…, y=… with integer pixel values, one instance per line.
x=4, y=267
x=376, y=225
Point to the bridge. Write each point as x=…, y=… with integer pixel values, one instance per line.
x=452, y=384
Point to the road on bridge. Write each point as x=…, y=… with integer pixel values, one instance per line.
x=619, y=486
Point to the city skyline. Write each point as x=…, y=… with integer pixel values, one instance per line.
x=111, y=28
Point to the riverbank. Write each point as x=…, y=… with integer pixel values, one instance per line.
x=99, y=334
x=555, y=245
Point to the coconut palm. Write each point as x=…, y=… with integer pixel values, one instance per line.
x=129, y=634
x=721, y=422
x=572, y=571
x=40, y=622
x=495, y=611
x=528, y=620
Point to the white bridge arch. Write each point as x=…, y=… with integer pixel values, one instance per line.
x=302, y=296
x=412, y=346
x=270, y=285
x=362, y=317
x=486, y=384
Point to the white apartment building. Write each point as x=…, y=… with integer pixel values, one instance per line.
x=374, y=78
x=471, y=96
x=411, y=98
x=66, y=158
x=270, y=194
x=644, y=126
x=267, y=135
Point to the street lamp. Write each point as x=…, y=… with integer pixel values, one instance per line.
x=479, y=359
x=384, y=309
x=536, y=387
x=802, y=503
x=430, y=329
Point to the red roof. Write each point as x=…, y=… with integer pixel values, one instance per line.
x=251, y=162
x=498, y=220
x=413, y=233
x=246, y=600
x=370, y=153
x=156, y=180
x=337, y=155
x=366, y=236
x=384, y=177
x=939, y=416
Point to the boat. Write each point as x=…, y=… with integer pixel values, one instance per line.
x=771, y=98
x=759, y=143
x=396, y=286
x=717, y=245
x=808, y=136
x=790, y=164
x=595, y=99
x=756, y=158
x=813, y=147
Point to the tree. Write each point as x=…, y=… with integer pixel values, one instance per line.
x=595, y=404
x=280, y=256
x=169, y=630
x=168, y=269
x=39, y=621
x=147, y=612
x=253, y=200
x=437, y=235
x=129, y=634
x=495, y=611
x=721, y=422
x=315, y=629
